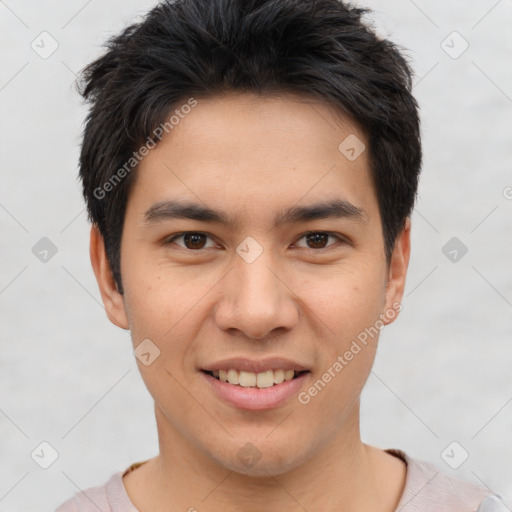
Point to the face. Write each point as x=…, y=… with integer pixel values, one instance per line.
x=252, y=251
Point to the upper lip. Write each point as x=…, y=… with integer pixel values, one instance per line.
x=255, y=365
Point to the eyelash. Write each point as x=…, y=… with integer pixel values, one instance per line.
x=340, y=239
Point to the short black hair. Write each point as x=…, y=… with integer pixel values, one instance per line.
x=187, y=49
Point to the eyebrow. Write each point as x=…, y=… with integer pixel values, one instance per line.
x=336, y=208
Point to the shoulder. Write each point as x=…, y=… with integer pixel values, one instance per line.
x=428, y=488
x=110, y=497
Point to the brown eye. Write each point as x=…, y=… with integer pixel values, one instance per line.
x=194, y=241
x=191, y=240
x=319, y=240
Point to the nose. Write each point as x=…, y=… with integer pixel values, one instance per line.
x=256, y=299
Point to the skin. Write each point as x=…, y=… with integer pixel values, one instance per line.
x=254, y=156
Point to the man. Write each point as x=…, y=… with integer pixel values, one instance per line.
x=250, y=168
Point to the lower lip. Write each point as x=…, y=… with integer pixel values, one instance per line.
x=256, y=399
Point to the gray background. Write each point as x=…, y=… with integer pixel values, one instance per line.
x=442, y=374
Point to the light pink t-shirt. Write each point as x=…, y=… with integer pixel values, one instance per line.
x=426, y=489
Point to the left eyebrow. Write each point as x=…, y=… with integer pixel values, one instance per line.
x=336, y=208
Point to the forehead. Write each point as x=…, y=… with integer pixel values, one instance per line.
x=248, y=152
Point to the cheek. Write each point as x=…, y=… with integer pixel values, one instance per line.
x=160, y=321
x=348, y=306
x=346, y=362
x=347, y=301
x=166, y=308
x=156, y=299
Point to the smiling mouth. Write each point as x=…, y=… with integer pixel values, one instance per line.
x=245, y=379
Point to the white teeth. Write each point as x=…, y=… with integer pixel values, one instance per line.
x=247, y=379
x=288, y=374
x=278, y=376
x=233, y=377
x=251, y=379
x=265, y=379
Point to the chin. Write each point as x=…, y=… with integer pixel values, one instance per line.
x=265, y=460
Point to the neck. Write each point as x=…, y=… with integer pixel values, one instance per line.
x=344, y=474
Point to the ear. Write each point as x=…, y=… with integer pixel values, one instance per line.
x=396, y=274
x=112, y=299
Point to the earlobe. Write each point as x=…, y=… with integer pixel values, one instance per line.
x=112, y=299
x=397, y=273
